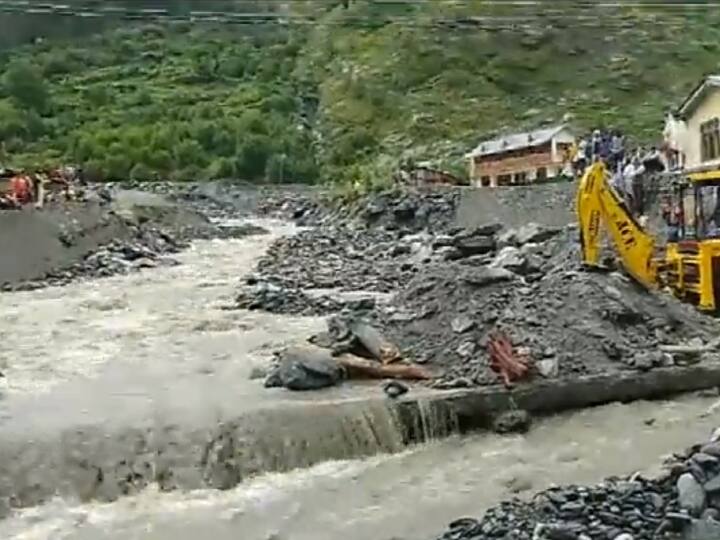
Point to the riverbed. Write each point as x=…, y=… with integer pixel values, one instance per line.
x=97, y=367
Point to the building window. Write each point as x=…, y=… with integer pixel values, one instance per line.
x=485, y=181
x=520, y=178
x=710, y=139
x=541, y=174
x=504, y=180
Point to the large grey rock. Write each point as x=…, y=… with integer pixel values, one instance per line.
x=486, y=229
x=507, y=238
x=482, y=276
x=304, y=368
x=705, y=529
x=534, y=233
x=548, y=368
x=462, y=324
x=517, y=421
x=712, y=485
x=691, y=494
x=475, y=245
x=509, y=258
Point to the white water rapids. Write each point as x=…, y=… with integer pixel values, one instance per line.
x=119, y=350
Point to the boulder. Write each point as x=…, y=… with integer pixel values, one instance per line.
x=395, y=389
x=305, y=368
x=517, y=421
x=482, y=276
x=475, y=245
x=507, y=238
x=548, y=368
x=487, y=229
x=462, y=324
x=509, y=258
x=534, y=233
x=691, y=495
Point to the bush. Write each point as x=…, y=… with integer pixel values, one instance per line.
x=24, y=83
x=221, y=168
x=141, y=172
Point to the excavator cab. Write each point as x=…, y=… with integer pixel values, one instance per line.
x=693, y=257
x=687, y=262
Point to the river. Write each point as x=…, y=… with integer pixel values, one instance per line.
x=157, y=348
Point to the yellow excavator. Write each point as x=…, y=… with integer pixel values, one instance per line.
x=687, y=263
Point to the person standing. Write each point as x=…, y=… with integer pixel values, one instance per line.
x=596, y=145
x=628, y=176
x=617, y=150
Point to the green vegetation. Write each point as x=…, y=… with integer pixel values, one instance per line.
x=343, y=100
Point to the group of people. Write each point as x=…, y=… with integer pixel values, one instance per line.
x=20, y=188
x=608, y=146
x=628, y=167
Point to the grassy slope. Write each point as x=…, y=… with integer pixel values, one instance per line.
x=215, y=103
x=439, y=90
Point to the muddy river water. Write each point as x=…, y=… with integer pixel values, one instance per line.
x=158, y=346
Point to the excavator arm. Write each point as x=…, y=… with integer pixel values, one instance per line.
x=599, y=206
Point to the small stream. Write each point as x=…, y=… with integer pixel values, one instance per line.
x=151, y=363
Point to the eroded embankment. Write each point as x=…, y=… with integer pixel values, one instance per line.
x=119, y=233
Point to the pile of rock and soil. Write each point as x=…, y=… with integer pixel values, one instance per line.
x=373, y=245
x=458, y=288
x=683, y=502
x=527, y=285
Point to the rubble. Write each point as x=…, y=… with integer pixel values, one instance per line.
x=304, y=369
x=372, y=245
x=566, y=322
x=680, y=503
x=454, y=287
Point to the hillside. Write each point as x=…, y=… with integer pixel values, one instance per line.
x=349, y=94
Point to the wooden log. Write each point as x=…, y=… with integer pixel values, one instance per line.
x=684, y=349
x=375, y=342
x=362, y=368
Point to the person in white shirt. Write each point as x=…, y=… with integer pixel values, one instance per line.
x=628, y=175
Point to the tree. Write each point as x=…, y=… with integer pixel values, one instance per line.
x=24, y=83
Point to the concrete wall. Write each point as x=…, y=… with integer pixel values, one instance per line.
x=708, y=109
x=548, y=204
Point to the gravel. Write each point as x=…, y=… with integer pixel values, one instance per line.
x=454, y=287
x=683, y=502
x=567, y=321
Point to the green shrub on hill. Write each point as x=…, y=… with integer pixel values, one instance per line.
x=346, y=99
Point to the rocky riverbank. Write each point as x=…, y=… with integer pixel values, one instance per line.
x=681, y=503
x=120, y=232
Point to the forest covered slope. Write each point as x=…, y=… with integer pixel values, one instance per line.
x=335, y=91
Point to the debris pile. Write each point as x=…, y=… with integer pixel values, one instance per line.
x=371, y=246
x=300, y=209
x=560, y=321
x=353, y=351
x=683, y=502
x=267, y=296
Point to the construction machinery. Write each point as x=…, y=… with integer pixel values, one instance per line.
x=687, y=262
